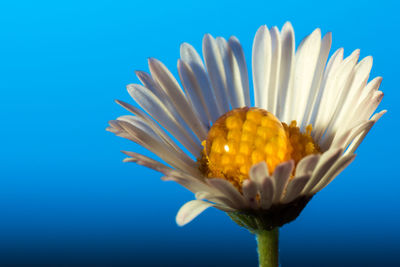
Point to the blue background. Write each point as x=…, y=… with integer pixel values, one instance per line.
x=67, y=199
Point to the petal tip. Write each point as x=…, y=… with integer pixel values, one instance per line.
x=190, y=210
x=288, y=25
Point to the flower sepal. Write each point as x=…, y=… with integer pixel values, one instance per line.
x=267, y=220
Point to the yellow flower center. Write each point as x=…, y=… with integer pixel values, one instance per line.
x=246, y=136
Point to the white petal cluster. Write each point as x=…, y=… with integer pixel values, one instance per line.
x=333, y=95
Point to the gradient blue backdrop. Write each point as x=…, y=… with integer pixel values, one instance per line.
x=67, y=199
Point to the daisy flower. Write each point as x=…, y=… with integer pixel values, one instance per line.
x=260, y=161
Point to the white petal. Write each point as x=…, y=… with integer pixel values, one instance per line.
x=355, y=91
x=260, y=176
x=266, y=193
x=258, y=172
x=348, y=99
x=335, y=60
x=155, y=145
x=149, y=83
x=215, y=198
x=141, y=124
x=113, y=130
x=152, y=105
x=146, y=161
x=191, y=176
x=239, y=71
x=317, y=80
x=216, y=72
x=192, y=58
x=286, y=70
x=155, y=88
x=233, y=75
x=337, y=168
x=335, y=86
x=366, y=107
x=307, y=164
x=325, y=163
x=191, y=210
x=276, y=46
x=190, y=183
x=371, y=86
x=142, y=129
x=229, y=191
x=160, y=132
x=224, y=208
x=305, y=65
x=193, y=92
x=261, y=60
x=190, y=55
x=171, y=87
x=294, y=188
x=231, y=93
x=250, y=191
x=319, y=112
x=281, y=177
x=373, y=104
x=357, y=141
x=343, y=139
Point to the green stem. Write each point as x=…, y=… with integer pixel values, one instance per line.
x=268, y=252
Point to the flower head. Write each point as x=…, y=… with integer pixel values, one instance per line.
x=266, y=159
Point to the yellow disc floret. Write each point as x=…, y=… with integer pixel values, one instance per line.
x=302, y=144
x=246, y=136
